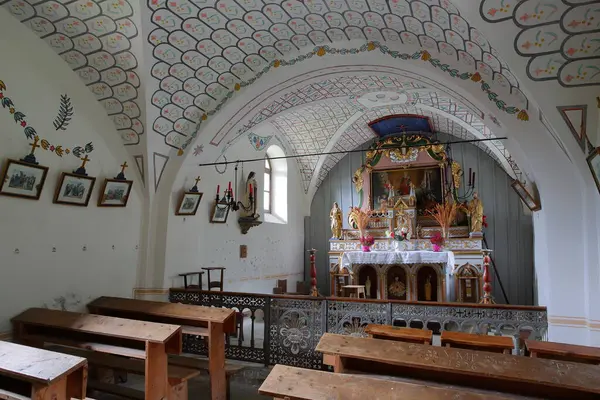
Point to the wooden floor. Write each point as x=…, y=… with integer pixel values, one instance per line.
x=244, y=385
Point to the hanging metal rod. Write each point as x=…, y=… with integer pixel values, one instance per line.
x=346, y=152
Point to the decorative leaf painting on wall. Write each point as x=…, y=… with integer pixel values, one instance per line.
x=65, y=113
x=205, y=52
x=94, y=38
x=561, y=38
x=31, y=134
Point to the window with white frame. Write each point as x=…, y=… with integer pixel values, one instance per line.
x=275, y=186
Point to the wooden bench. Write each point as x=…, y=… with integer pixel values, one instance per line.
x=548, y=379
x=147, y=341
x=563, y=351
x=409, y=335
x=471, y=341
x=210, y=322
x=30, y=373
x=303, y=384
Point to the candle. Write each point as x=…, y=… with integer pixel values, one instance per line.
x=470, y=176
x=229, y=185
x=473, y=180
x=218, y=187
x=250, y=188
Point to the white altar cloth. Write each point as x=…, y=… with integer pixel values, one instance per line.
x=399, y=257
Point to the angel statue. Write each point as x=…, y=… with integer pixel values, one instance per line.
x=336, y=221
x=475, y=209
x=251, y=190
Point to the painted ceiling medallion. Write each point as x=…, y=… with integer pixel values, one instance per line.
x=377, y=99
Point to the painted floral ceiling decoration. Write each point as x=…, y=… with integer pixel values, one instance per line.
x=561, y=38
x=204, y=49
x=94, y=38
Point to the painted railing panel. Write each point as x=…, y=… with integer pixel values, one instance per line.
x=286, y=329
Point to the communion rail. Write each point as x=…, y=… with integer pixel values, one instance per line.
x=284, y=329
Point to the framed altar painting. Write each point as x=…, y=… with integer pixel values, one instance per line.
x=74, y=190
x=396, y=182
x=219, y=213
x=21, y=179
x=528, y=199
x=188, y=204
x=114, y=193
x=593, y=161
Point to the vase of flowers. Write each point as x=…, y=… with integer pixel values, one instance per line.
x=437, y=242
x=400, y=238
x=366, y=242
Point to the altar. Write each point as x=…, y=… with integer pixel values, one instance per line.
x=405, y=186
x=402, y=275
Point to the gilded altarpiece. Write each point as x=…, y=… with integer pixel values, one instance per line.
x=402, y=178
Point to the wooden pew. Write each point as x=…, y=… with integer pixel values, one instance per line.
x=30, y=373
x=471, y=341
x=409, y=335
x=147, y=341
x=563, y=351
x=303, y=384
x=477, y=369
x=210, y=322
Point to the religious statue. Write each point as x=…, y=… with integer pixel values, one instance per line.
x=475, y=210
x=368, y=287
x=336, y=221
x=251, y=191
x=457, y=173
x=397, y=288
x=428, y=288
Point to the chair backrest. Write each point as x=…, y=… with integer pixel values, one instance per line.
x=282, y=284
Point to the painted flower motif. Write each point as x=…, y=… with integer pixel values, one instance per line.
x=295, y=333
x=492, y=11
x=1, y=96
x=51, y=148
x=476, y=77
x=355, y=328
x=12, y=110
x=23, y=124
x=523, y=116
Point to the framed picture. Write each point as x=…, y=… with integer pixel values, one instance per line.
x=593, y=161
x=21, y=179
x=527, y=198
x=114, y=193
x=74, y=190
x=219, y=213
x=188, y=205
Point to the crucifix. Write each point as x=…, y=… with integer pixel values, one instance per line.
x=123, y=166
x=35, y=144
x=197, y=180
x=85, y=160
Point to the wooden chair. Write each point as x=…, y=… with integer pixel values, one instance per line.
x=400, y=334
x=191, y=274
x=215, y=284
x=563, y=352
x=462, y=340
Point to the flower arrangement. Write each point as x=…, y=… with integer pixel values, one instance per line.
x=445, y=215
x=437, y=241
x=367, y=240
x=361, y=219
x=400, y=235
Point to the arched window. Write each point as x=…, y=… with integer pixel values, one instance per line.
x=267, y=199
x=275, y=186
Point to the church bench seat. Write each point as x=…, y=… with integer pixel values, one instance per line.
x=466, y=368
x=563, y=351
x=463, y=340
x=293, y=383
x=410, y=335
x=29, y=372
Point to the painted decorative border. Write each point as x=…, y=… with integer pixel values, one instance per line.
x=31, y=133
x=321, y=51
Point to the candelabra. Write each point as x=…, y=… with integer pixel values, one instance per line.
x=229, y=200
x=470, y=189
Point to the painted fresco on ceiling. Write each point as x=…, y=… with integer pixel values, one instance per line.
x=204, y=51
x=561, y=38
x=94, y=38
x=393, y=125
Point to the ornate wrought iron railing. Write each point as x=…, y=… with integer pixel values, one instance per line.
x=279, y=329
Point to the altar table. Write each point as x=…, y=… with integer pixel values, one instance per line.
x=417, y=267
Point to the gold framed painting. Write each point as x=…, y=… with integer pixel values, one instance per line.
x=21, y=179
x=115, y=193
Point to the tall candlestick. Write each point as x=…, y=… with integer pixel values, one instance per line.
x=473, y=180
x=250, y=188
x=218, y=187
x=469, y=176
x=229, y=185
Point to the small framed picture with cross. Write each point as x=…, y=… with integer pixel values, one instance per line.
x=22, y=179
x=189, y=202
x=74, y=190
x=115, y=192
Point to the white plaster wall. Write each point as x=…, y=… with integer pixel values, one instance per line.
x=275, y=251
x=35, y=77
